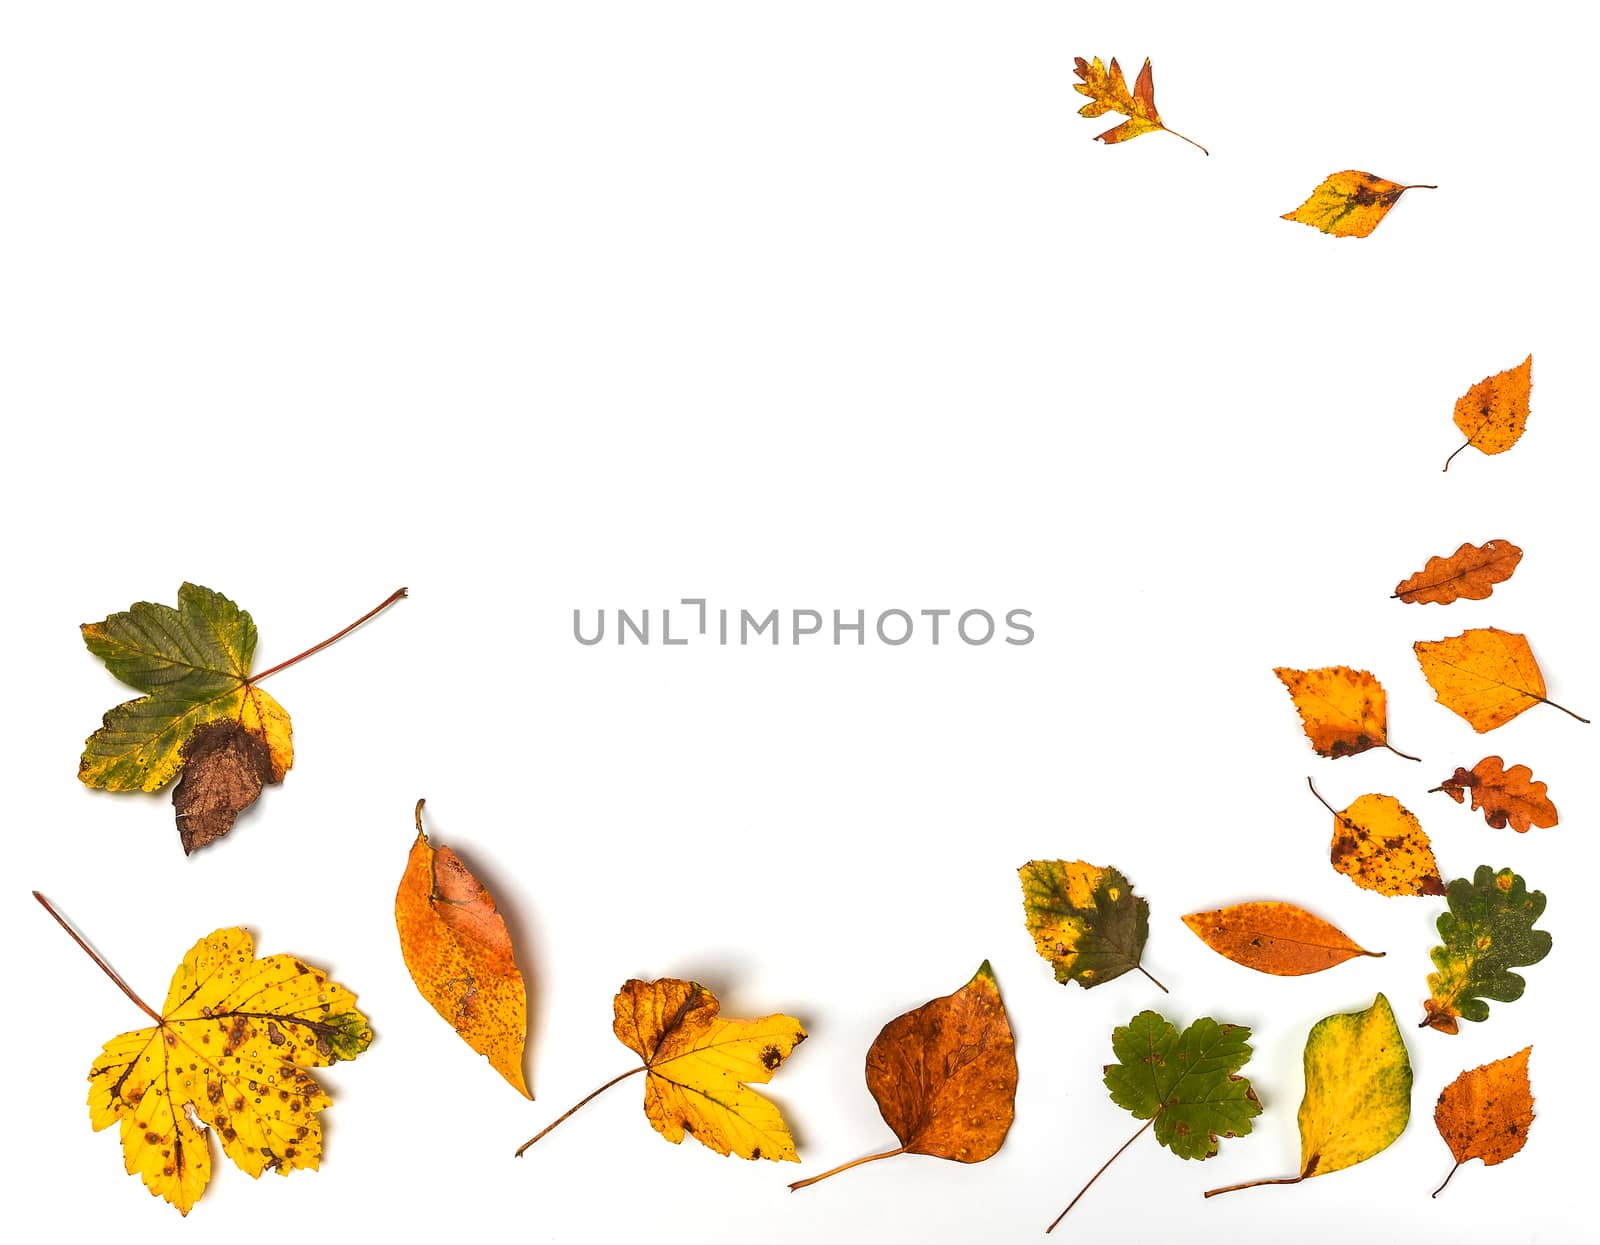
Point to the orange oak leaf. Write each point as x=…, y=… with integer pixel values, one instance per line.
x=1380, y=845
x=1350, y=204
x=1485, y=1113
x=1485, y=675
x=458, y=950
x=945, y=1077
x=1274, y=937
x=1344, y=711
x=1493, y=413
x=1107, y=90
x=1508, y=797
x=1470, y=573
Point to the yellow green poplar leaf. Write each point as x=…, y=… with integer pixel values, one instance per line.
x=1085, y=920
x=1358, y=1093
x=1487, y=932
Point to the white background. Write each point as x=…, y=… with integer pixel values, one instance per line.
x=835, y=305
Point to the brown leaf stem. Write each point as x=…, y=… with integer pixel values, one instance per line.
x=1185, y=138
x=338, y=635
x=1453, y=1171
x=1563, y=709
x=93, y=955
x=1101, y=1172
x=1320, y=800
x=1158, y=985
x=834, y=1171
x=1454, y=452
x=1398, y=753
x=582, y=1102
x=1250, y=1184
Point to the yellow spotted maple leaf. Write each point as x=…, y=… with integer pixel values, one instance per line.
x=1108, y=91
x=1350, y=204
x=1485, y=675
x=698, y=1067
x=1493, y=414
x=229, y=1049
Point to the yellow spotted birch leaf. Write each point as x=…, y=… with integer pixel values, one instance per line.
x=1485, y=675
x=1085, y=920
x=1493, y=414
x=1274, y=937
x=699, y=1067
x=458, y=951
x=203, y=713
x=1380, y=846
x=1485, y=1113
x=229, y=1049
x=944, y=1076
x=1108, y=91
x=1344, y=711
x=1350, y=204
x=1469, y=574
x=1358, y=1093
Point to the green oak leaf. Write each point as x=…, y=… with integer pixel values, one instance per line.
x=1085, y=920
x=1487, y=932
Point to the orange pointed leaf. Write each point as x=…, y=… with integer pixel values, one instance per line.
x=1274, y=937
x=1108, y=91
x=458, y=950
x=1350, y=204
x=1508, y=797
x=1485, y=1113
x=1380, y=846
x=1344, y=711
x=1470, y=573
x=1485, y=675
x=1493, y=413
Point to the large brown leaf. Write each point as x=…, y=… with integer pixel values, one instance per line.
x=1470, y=573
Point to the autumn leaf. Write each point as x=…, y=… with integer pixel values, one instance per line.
x=1107, y=90
x=458, y=951
x=1380, y=845
x=1485, y=675
x=1085, y=920
x=1493, y=414
x=1350, y=204
x=1185, y=1085
x=1274, y=937
x=203, y=713
x=1470, y=573
x=944, y=1076
x=1507, y=797
x=228, y=1050
x=1344, y=711
x=1358, y=1093
x=1485, y=1112
x=698, y=1068
x=1487, y=932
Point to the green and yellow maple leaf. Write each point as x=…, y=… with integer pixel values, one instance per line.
x=1487, y=932
x=1085, y=920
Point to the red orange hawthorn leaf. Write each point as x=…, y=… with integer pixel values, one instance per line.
x=1508, y=797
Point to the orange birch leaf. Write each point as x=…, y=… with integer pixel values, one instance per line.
x=1344, y=711
x=1507, y=797
x=1107, y=90
x=1380, y=846
x=1485, y=1113
x=1485, y=675
x=1274, y=937
x=1470, y=573
x=458, y=950
x=1493, y=413
x=1350, y=204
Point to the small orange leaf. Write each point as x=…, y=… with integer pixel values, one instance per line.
x=1485, y=675
x=1274, y=937
x=459, y=953
x=1380, y=846
x=1350, y=204
x=1507, y=797
x=1470, y=573
x=1493, y=413
x=1485, y=1113
x=1344, y=711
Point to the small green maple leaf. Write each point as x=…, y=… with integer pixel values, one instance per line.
x=1184, y=1084
x=1487, y=932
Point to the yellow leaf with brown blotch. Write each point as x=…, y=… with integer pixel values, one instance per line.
x=458, y=951
x=1108, y=91
x=1350, y=204
x=1274, y=937
x=1344, y=711
x=1508, y=797
x=1380, y=846
x=1485, y=1113
x=1493, y=414
x=1485, y=675
x=1470, y=573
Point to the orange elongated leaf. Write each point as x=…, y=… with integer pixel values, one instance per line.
x=1274, y=937
x=1493, y=414
x=1470, y=573
x=1350, y=204
x=458, y=950
x=1508, y=797
x=945, y=1077
x=1485, y=675
x=1344, y=711
x=1485, y=1113
x=1380, y=846
x=1108, y=91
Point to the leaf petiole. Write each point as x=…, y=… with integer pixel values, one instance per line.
x=834, y=1171
x=338, y=635
x=1251, y=1184
x=582, y=1102
x=1102, y=1172
x=93, y=955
